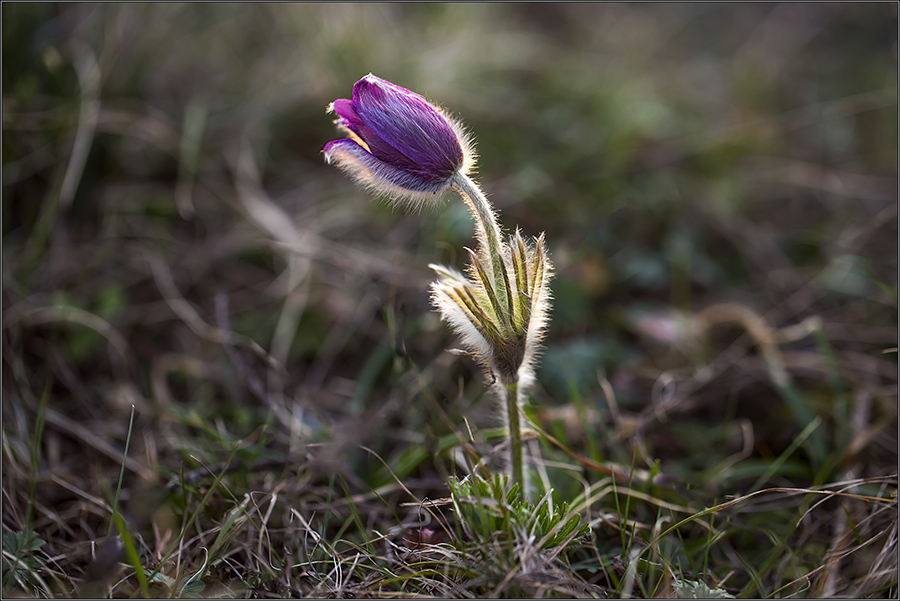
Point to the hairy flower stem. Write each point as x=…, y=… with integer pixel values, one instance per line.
x=488, y=232
x=488, y=229
x=517, y=468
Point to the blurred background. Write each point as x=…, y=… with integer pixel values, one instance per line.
x=717, y=184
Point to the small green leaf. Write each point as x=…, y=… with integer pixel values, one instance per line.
x=691, y=589
x=19, y=563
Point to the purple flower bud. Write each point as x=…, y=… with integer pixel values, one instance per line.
x=399, y=145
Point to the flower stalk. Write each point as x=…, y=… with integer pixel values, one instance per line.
x=402, y=147
x=516, y=460
x=488, y=231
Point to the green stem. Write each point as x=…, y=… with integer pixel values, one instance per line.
x=488, y=232
x=517, y=469
x=487, y=227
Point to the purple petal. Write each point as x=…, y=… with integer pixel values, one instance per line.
x=350, y=119
x=409, y=124
x=379, y=175
x=345, y=110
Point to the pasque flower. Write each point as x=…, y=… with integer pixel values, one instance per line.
x=398, y=144
x=401, y=146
